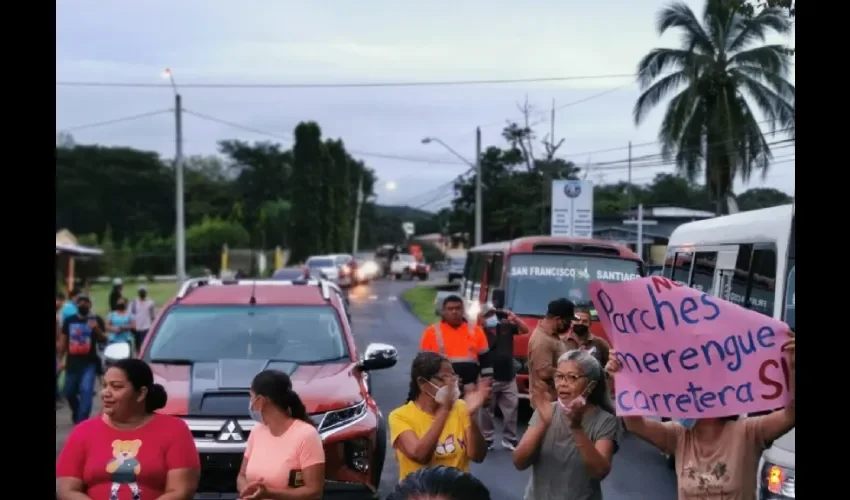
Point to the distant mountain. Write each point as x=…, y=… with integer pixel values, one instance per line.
x=404, y=213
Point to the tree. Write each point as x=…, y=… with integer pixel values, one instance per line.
x=709, y=126
x=310, y=215
x=756, y=198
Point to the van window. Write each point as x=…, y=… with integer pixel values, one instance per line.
x=496, y=270
x=703, y=275
x=791, y=296
x=682, y=267
x=742, y=272
x=466, y=289
x=667, y=272
x=762, y=285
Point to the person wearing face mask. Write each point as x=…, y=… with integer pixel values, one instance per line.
x=120, y=324
x=500, y=326
x=717, y=458
x=129, y=452
x=570, y=443
x=284, y=458
x=77, y=342
x=579, y=337
x=434, y=427
x=545, y=345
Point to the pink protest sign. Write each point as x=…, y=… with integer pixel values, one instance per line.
x=688, y=354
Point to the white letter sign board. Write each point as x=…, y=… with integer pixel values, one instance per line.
x=572, y=208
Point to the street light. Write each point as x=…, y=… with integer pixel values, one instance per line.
x=477, y=168
x=180, y=229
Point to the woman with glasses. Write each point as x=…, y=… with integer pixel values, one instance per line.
x=435, y=427
x=570, y=442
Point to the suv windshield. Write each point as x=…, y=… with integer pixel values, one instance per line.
x=535, y=279
x=302, y=334
x=320, y=263
x=406, y=258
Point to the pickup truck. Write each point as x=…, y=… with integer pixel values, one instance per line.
x=405, y=265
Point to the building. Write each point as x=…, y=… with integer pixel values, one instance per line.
x=655, y=237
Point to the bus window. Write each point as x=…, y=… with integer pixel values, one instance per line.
x=479, y=262
x=494, y=278
x=466, y=283
x=682, y=267
x=703, y=275
x=669, y=259
x=742, y=272
x=532, y=280
x=790, y=297
x=762, y=285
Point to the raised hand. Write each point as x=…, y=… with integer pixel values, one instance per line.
x=542, y=401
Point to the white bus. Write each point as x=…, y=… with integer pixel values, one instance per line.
x=745, y=258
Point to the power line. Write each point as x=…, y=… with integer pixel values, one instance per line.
x=367, y=154
x=116, y=120
x=434, y=83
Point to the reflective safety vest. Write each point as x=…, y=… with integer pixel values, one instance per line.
x=456, y=357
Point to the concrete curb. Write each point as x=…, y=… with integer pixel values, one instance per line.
x=409, y=308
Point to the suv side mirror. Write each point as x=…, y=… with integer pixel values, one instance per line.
x=378, y=357
x=498, y=298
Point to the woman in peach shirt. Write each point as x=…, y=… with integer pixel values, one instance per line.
x=284, y=458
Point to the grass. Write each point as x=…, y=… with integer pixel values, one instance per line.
x=421, y=301
x=160, y=292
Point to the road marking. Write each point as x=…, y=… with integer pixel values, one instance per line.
x=373, y=297
x=392, y=299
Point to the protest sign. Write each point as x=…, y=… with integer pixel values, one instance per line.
x=686, y=354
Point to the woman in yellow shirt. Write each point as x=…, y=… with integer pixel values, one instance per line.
x=434, y=427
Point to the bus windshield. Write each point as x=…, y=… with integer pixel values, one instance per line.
x=535, y=279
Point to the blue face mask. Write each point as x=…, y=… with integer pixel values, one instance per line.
x=255, y=415
x=491, y=322
x=687, y=423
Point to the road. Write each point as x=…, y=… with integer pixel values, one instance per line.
x=639, y=471
x=378, y=315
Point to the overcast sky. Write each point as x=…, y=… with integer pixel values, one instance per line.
x=283, y=41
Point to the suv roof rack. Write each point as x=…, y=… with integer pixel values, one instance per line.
x=195, y=283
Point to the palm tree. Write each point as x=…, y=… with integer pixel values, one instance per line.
x=723, y=68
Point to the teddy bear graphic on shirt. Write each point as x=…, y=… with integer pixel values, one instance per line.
x=124, y=467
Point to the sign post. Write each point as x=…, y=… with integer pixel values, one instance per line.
x=640, y=223
x=572, y=208
x=409, y=229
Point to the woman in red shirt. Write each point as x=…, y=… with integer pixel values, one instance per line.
x=129, y=452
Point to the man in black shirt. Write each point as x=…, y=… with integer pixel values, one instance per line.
x=500, y=326
x=80, y=334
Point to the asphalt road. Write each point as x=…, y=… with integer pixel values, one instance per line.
x=378, y=315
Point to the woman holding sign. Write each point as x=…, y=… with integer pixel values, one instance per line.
x=569, y=443
x=716, y=457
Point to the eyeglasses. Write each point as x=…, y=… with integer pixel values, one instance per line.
x=568, y=377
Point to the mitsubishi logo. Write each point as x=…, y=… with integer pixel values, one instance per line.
x=230, y=432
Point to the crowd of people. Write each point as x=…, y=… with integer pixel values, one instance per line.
x=463, y=372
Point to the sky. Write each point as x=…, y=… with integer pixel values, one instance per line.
x=336, y=41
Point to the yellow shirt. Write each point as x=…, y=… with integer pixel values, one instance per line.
x=451, y=447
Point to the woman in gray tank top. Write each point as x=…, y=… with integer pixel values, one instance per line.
x=570, y=443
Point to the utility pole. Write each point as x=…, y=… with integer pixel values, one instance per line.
x=180, y=232
x=640, y=223
x=478, y=212
x=629, y=188
x=356, y=237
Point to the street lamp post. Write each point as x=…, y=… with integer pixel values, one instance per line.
x=180, y=229
x=476, y=166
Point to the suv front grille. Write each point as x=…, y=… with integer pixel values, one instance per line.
x=219, y=472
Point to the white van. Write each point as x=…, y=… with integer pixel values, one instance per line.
x=747, y=258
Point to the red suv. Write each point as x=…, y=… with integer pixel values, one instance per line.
x=214, y=336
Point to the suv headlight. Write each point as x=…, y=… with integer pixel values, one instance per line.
x=776, y=482
x=335, y=419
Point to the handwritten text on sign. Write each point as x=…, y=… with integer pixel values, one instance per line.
x=688, y=354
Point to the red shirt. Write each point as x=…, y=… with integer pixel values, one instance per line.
x=138, y=460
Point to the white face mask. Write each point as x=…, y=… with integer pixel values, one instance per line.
x=255, y=415
x=449, y=393
x=491, y=322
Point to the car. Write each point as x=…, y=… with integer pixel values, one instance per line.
x=777, y=469
x=292, y=273
x=405, y=265
x=367, y=270
x=214, y=336
x=456, y=266
x=329, y=266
